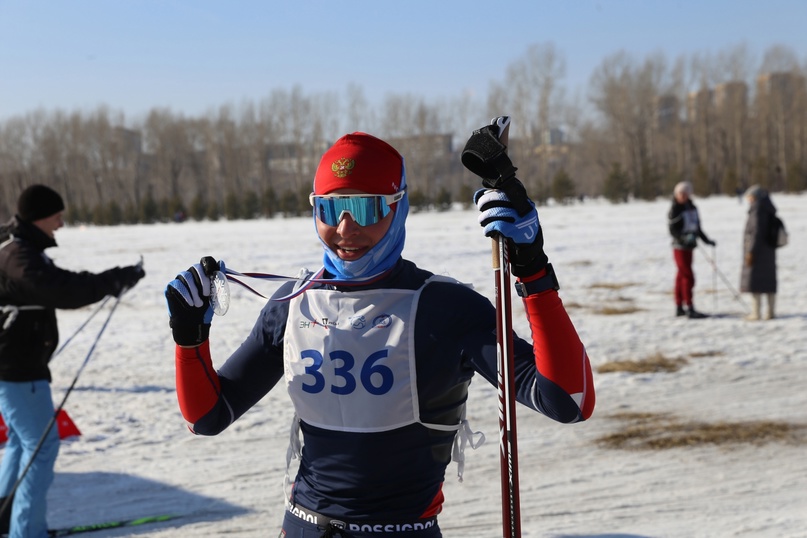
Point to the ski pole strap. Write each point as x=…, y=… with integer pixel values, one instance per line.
x=486, y=156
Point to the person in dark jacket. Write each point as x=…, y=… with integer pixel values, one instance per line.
x=377, y=354
x=758, y=276
x=684, y=224
x=32, y=287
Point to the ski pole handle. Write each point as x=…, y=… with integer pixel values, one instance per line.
x=485, y=154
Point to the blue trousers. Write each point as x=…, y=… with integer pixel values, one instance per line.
x=27, y=409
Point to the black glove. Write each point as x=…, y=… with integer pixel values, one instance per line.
x=188, y=298
x=525, y=238
x=126, y=277
x=711, y=242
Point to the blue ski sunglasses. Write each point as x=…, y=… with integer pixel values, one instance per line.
x=365, y=209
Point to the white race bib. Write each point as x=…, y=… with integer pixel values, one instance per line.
x=349, y=359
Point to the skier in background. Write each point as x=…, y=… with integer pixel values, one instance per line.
x=378, y=354
x=685, y=227
x=32, y=287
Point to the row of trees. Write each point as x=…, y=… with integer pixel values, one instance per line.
x=723, y=122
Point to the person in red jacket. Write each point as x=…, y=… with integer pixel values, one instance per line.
x=32, y=287
x=377, y=354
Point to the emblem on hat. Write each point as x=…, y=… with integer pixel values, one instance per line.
x=343, y=167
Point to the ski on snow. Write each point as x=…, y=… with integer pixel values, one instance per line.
x=80, y=529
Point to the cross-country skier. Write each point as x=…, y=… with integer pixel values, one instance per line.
x=684, y=224
x=32, y=287
x=378, y=358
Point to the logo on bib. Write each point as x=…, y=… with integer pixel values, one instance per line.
x=325, y=323
x=382, y=322
x=358, y=322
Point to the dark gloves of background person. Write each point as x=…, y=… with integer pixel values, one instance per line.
x=126, y=277
x=711, y=242
x=188, y=298
x=525, y=238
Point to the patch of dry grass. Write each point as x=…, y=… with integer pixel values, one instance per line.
x=612, y=285
x=700, y=354
x=616, y=310
x=652, y=364
x=649, y=431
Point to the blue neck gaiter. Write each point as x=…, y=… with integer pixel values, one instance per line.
x=382, y=256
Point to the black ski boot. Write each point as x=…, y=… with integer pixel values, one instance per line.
x=679, y=311
x=694, y=314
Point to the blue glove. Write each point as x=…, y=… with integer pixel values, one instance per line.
x=523, y=232
x=188, y=298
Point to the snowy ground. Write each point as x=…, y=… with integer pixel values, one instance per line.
x=137, y=458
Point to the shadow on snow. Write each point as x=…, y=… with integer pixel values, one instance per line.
x=101, y=497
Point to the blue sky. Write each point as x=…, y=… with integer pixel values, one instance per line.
x=193, y=56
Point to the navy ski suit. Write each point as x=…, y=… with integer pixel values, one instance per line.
x=394, y=475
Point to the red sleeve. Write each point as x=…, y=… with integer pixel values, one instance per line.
x=198, y=386
x=559, y=354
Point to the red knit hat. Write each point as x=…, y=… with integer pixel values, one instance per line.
x=359, y=161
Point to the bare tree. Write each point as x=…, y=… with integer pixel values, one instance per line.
x=359, y=115
x=711, y=118
x=625, y=93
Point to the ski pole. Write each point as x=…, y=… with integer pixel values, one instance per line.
x=92, y=315
x=493, y=178
x=49, y=427
x=506, y=380
x=80, y=327
x=714, y=275
x=726, y=281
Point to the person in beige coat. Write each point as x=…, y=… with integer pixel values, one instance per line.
x=758, y=275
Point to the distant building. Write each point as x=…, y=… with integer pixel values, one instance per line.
x=731, y=97
x=552, y=137
x=698, y=105
x=292, y=158
x=130, y=141
x=423, y=147
x=553, y=151
x=666, y=112
x=783, y=89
